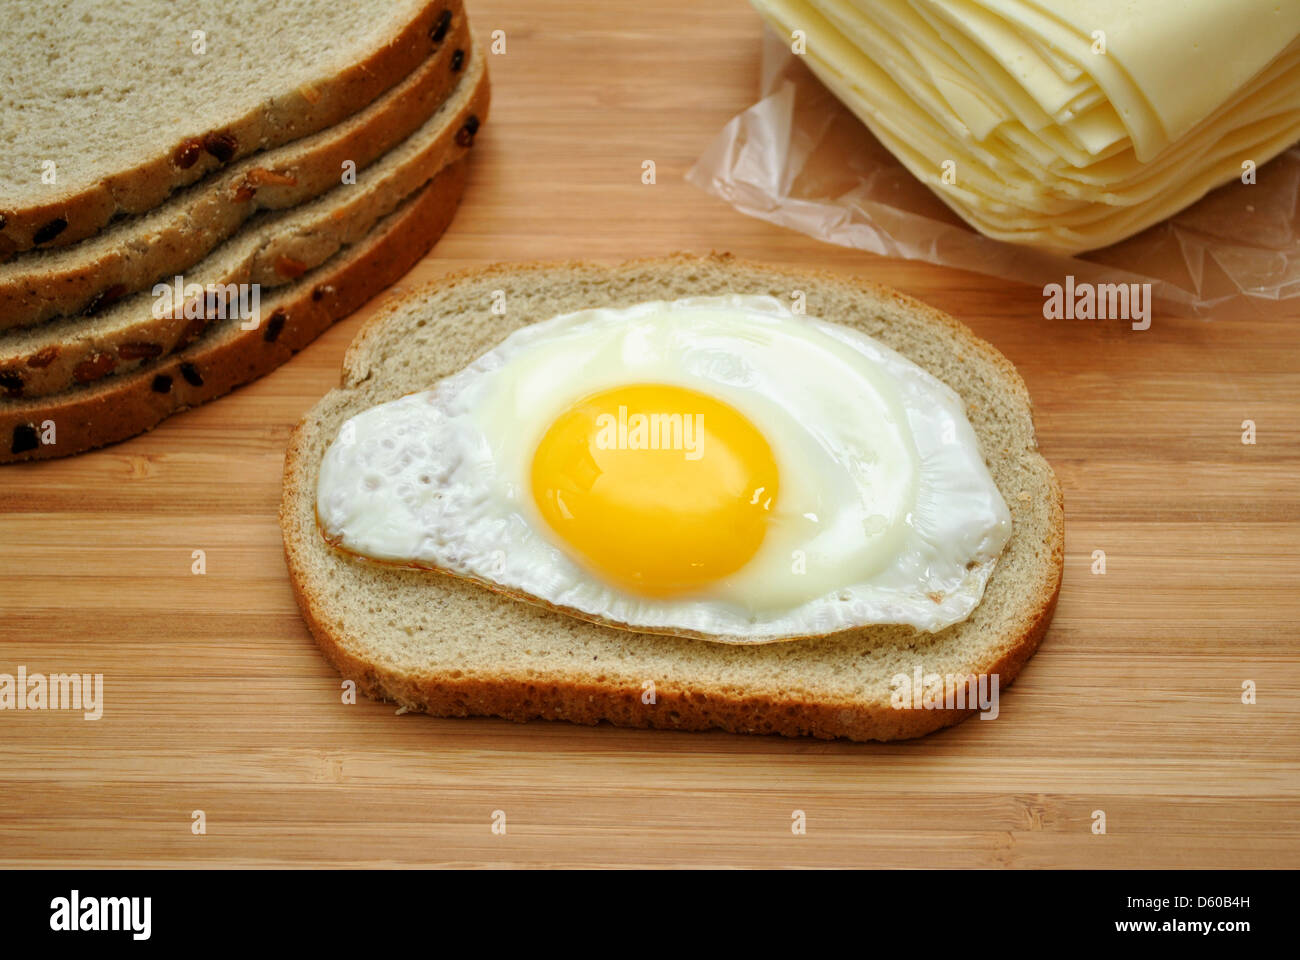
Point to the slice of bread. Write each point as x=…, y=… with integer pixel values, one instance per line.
x=450, y=647
x=274, y=248
x=133, y=253
x=130, y=100
x=227, y=356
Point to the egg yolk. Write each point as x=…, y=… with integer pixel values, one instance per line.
x=657, y=489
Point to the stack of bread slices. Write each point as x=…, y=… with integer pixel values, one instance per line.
x=190, y=192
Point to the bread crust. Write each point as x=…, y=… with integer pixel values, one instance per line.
x=60, y=357
x=89, y=276
x=524, y=696
x=674, y=709
x=278, y=120
x=130, y=404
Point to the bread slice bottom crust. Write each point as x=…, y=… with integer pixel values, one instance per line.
x=449, y=647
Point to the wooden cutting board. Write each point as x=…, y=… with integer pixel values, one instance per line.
x=216, y=699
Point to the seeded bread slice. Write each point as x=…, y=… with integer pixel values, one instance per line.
x=132, y=254
x=119, y=99
x=450, y=647
x=273, y=249
x=226, y=356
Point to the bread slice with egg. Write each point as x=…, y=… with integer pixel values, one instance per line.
x=450, y=647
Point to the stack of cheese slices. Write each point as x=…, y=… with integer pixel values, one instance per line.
x=190, y=192
x=1061, y=124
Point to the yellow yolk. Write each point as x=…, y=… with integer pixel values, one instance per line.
x=658, y=489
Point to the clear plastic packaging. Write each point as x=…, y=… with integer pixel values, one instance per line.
x=801, y=159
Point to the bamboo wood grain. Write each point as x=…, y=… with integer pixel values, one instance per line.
x=217, y=700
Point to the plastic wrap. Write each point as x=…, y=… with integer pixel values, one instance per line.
x=799, y=158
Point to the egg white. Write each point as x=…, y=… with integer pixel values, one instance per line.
x=887, y=513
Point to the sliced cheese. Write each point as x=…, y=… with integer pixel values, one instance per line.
x=1069, y=124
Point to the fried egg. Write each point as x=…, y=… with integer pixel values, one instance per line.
x=712, y=467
